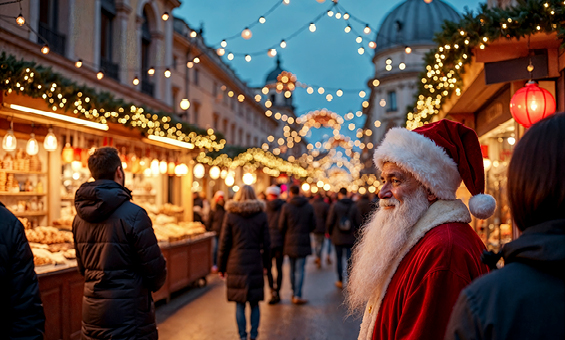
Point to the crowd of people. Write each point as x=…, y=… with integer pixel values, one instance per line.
x=415, y=268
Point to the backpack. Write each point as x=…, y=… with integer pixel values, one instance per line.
x=345, y=225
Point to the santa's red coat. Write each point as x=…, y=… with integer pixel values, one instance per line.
x=427, y=282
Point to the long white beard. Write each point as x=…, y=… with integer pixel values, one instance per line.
x=380, y=241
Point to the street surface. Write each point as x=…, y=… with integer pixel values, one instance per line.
x=204, y=313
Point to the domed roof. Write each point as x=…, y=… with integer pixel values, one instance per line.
x=272, y=76
x=414, y=22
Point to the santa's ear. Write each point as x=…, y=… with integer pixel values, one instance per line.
x=431, y=196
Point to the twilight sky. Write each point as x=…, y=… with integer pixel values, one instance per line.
x=327, y=57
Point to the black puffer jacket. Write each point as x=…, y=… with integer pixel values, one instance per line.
x=365, y=207
x=274, y=209
x=321, y=210
x=297, y=221
x=244, y=250
x=216, y=218
x=523, y=300
x=21, y=311
x=338, y=210
x=117, y=252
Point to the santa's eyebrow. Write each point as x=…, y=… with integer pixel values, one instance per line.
x=396, y=174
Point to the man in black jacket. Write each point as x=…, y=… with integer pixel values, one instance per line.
x=343, y=222
x=117, y=252
x=297, y=221
x=274, y=208
x=21, y=311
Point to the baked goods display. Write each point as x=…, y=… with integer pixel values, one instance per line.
x=171, y=232
x=50, y=245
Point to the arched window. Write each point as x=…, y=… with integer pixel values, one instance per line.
x=107, y=20
x=147, y=86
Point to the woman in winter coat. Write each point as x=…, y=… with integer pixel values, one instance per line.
x=244, y=252
x=526, y=298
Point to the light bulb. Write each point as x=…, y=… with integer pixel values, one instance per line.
x=272, y=52
x=32, y=147
x=511, y=140
x=246, y=33
x=230, y=56
x=215, y=172
x=247, y=178
x=165, y=16
x=312, y=27
x=135, y=81
x=224, y=44
x=100, y=75
x=283, y=44
x=198, y=170
x=20, y=20
x=408, y=50
x=9, y=142
x=196, y=60
x=347, y=29
x=221, y=51
x=154, y=167
x=367, y=29
x=262, y=20
x=248, y=58
x=151, y=71
x=190, y=64
x=286, y=2
x=372, y=44
x=360, y=50
x=193, y=34
x=184, y=104
x=45, y=49
x=50, y=142
x=163, y=167
x=229, y=180
x=167, y=73
x=78, y=63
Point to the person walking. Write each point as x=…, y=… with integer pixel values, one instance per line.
x=243, y=253
x=343, y=222
x=418, y=251
x=215, y=220
x=297, y=221
x=117, y=253
x=321, y=210
x=526, y=298
x=274, y=207
x=21, y=311
x=365, y=207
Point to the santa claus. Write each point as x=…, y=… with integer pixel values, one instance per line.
x=418, y=251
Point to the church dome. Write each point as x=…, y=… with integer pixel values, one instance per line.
x=272, y=76
x=414, y=22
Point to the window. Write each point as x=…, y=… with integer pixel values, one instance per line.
x=196, y=77
x=392, y=101
x=255, y=141
x=216, y=121
x=215, y=91
x=175, y=61
x=241, y=136
x=232, y=134
x=248, y=140
x=108, y=14
x=225, y=127
x=147, y=86
x=196, y=113
x=49, y=26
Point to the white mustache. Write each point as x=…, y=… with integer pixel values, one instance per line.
x=389, y=202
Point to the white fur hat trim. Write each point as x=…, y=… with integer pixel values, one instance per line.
x=423, y=158
x=274, y=190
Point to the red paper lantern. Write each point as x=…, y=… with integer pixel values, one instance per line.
x=531, y=103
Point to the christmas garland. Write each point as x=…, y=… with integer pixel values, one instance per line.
x=62, y=94
x=445, y=64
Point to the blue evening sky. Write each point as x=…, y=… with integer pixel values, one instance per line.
x=328, y=57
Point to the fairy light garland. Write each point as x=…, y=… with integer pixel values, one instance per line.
x=445, y=64
x=63, y=95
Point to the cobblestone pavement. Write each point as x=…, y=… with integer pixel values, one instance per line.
x=204, y=313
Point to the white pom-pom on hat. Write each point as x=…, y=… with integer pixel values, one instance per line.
x=482, y=206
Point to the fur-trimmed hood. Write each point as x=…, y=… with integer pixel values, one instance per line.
x=246, y=207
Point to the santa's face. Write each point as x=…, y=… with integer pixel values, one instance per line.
x=397, y=185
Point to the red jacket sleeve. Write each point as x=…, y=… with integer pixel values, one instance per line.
x=426, y=311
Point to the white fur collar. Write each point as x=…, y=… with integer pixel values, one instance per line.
x=441, y=212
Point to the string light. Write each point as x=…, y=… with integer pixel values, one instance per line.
x=135, y=81
x=78, y=63
x=347, y=29
x=312, y=27
x=272, y=52
x=167, y=73
x=165, y=16
x=230, y=56
x=262, y=20
x=100, y=75
x=247, y=58
x=373, y=45
x=184, y=104
x=330, y=13
x=20, y=20
x=283, y=44
x=220, y=51
x=224, y=44
x=45, y=49
x=246, y=33
x=151, y=71
x=367, y=29
x=408, y=50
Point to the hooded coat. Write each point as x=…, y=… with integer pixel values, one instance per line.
x=321, y=210
x=118, y=255
x=216, y=218
x=523, y=300
x=274, y=208
x=244, y=242
x=21, y=311
x=341, y=208
x=297, y=221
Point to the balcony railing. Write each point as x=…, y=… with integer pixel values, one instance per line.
x=111, y=69
x=56, y=41
x=147, y=87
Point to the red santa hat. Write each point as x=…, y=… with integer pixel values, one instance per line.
x=440, y=155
